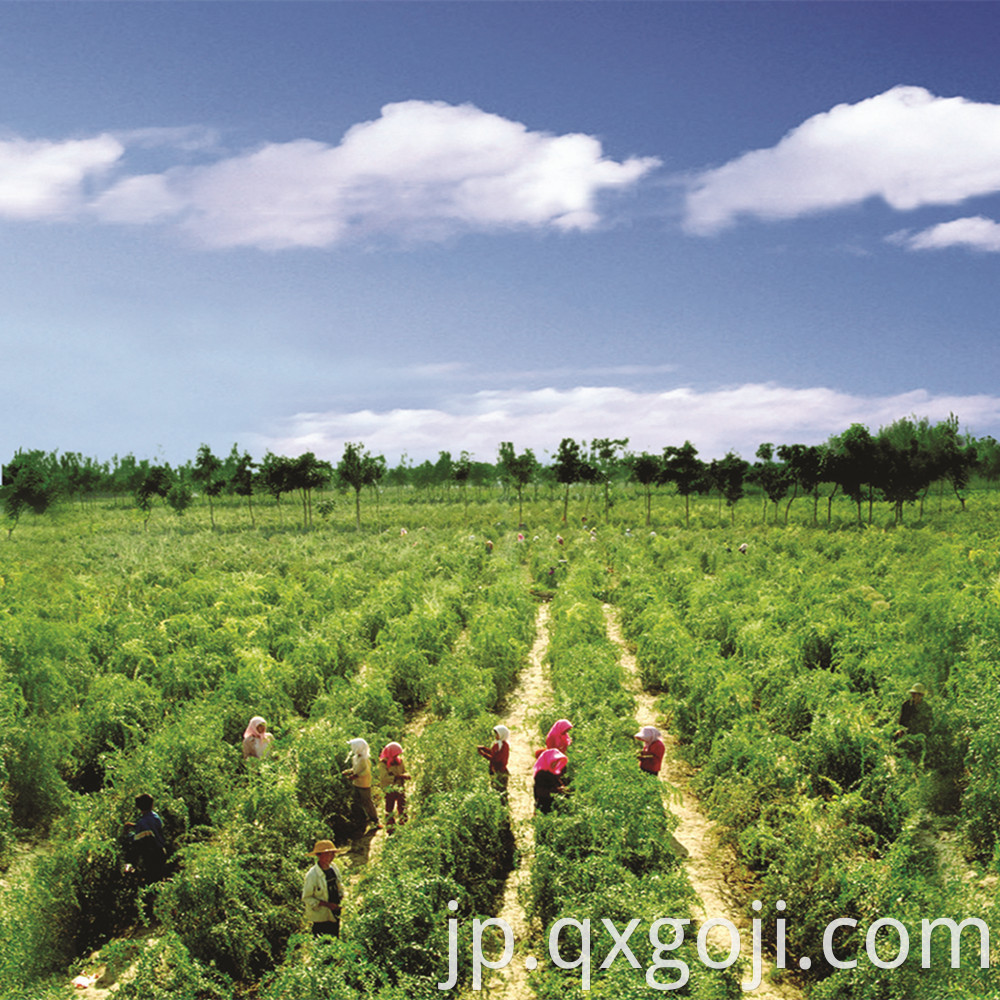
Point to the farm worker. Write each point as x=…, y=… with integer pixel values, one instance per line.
x=322, y=891
x=915, y=715
x=489, y=545
x=256, y=739
x=148, y=841
x=548, y=778
x=743, y=548
x=359, y=770
x=651, y=754
x=559, y=738
x=498, y=755
x=392, y=777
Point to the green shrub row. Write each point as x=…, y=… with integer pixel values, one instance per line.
x=242, y=829
x=606, y=850
x=783, y=672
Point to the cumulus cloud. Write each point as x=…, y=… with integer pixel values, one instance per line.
x=41, y=179
x=735, y=418
x=422, y=170
x=975, y=232
x=906, y=146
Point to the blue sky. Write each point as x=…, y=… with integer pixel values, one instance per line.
x=439, y=226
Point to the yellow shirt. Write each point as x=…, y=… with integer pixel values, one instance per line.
x=362, y=773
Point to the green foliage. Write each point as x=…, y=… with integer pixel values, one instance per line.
x=164, y=968
x=231, y=906
x=132, y=660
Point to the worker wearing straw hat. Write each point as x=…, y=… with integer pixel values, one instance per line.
x=323, y=891
x=915, y=715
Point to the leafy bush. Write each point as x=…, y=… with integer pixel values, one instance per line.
x=165, y=969
x=232, y=906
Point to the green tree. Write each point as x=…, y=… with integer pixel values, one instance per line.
x=729, y=475
x=806, y=464
x=127, y=474
x=683, y=468
x=954, y=455
x=26, y=485
x=570, y=467
x=156, y=482
x=647, y=471
x=356, y=470
x=444, y=471
x=519, y=470
x=308, y=473
x=400, y=474
x=851, y=465
x=606, y=461
x=78, y=477
x=903, y=468
x=988, y=458
x=207, y=473
x=774, y=478
x=461, y=472
x=242, y=477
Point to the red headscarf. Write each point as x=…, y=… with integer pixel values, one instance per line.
x=391, y=753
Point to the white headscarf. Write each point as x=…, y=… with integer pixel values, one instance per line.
x=359, y=748
x=502, y=733
x=647, y=734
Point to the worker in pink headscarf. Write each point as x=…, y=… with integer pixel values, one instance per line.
x=651, y=754
x=549, y=769
x=392, y=779
x=256, y=739
x=559, y=738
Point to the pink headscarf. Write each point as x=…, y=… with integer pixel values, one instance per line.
x=558, y=738
x=251, y=729
x=391, y=753
x=551, y=760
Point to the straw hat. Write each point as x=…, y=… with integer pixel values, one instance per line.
x=323, y=846
x=918, y=689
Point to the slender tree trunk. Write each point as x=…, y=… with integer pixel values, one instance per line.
x=795, y=493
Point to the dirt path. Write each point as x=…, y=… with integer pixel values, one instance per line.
x=532, y=693
x=721, y=882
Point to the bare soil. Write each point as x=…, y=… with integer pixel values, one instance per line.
x=531, y=695
x=724, y=886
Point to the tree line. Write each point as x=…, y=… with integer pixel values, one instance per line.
x=898, y=465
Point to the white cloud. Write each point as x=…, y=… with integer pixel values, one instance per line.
x=905, y=146
x=187, y=138
x=737, y=418
x=974, y=232
x=41, y=179
x=423, y=170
